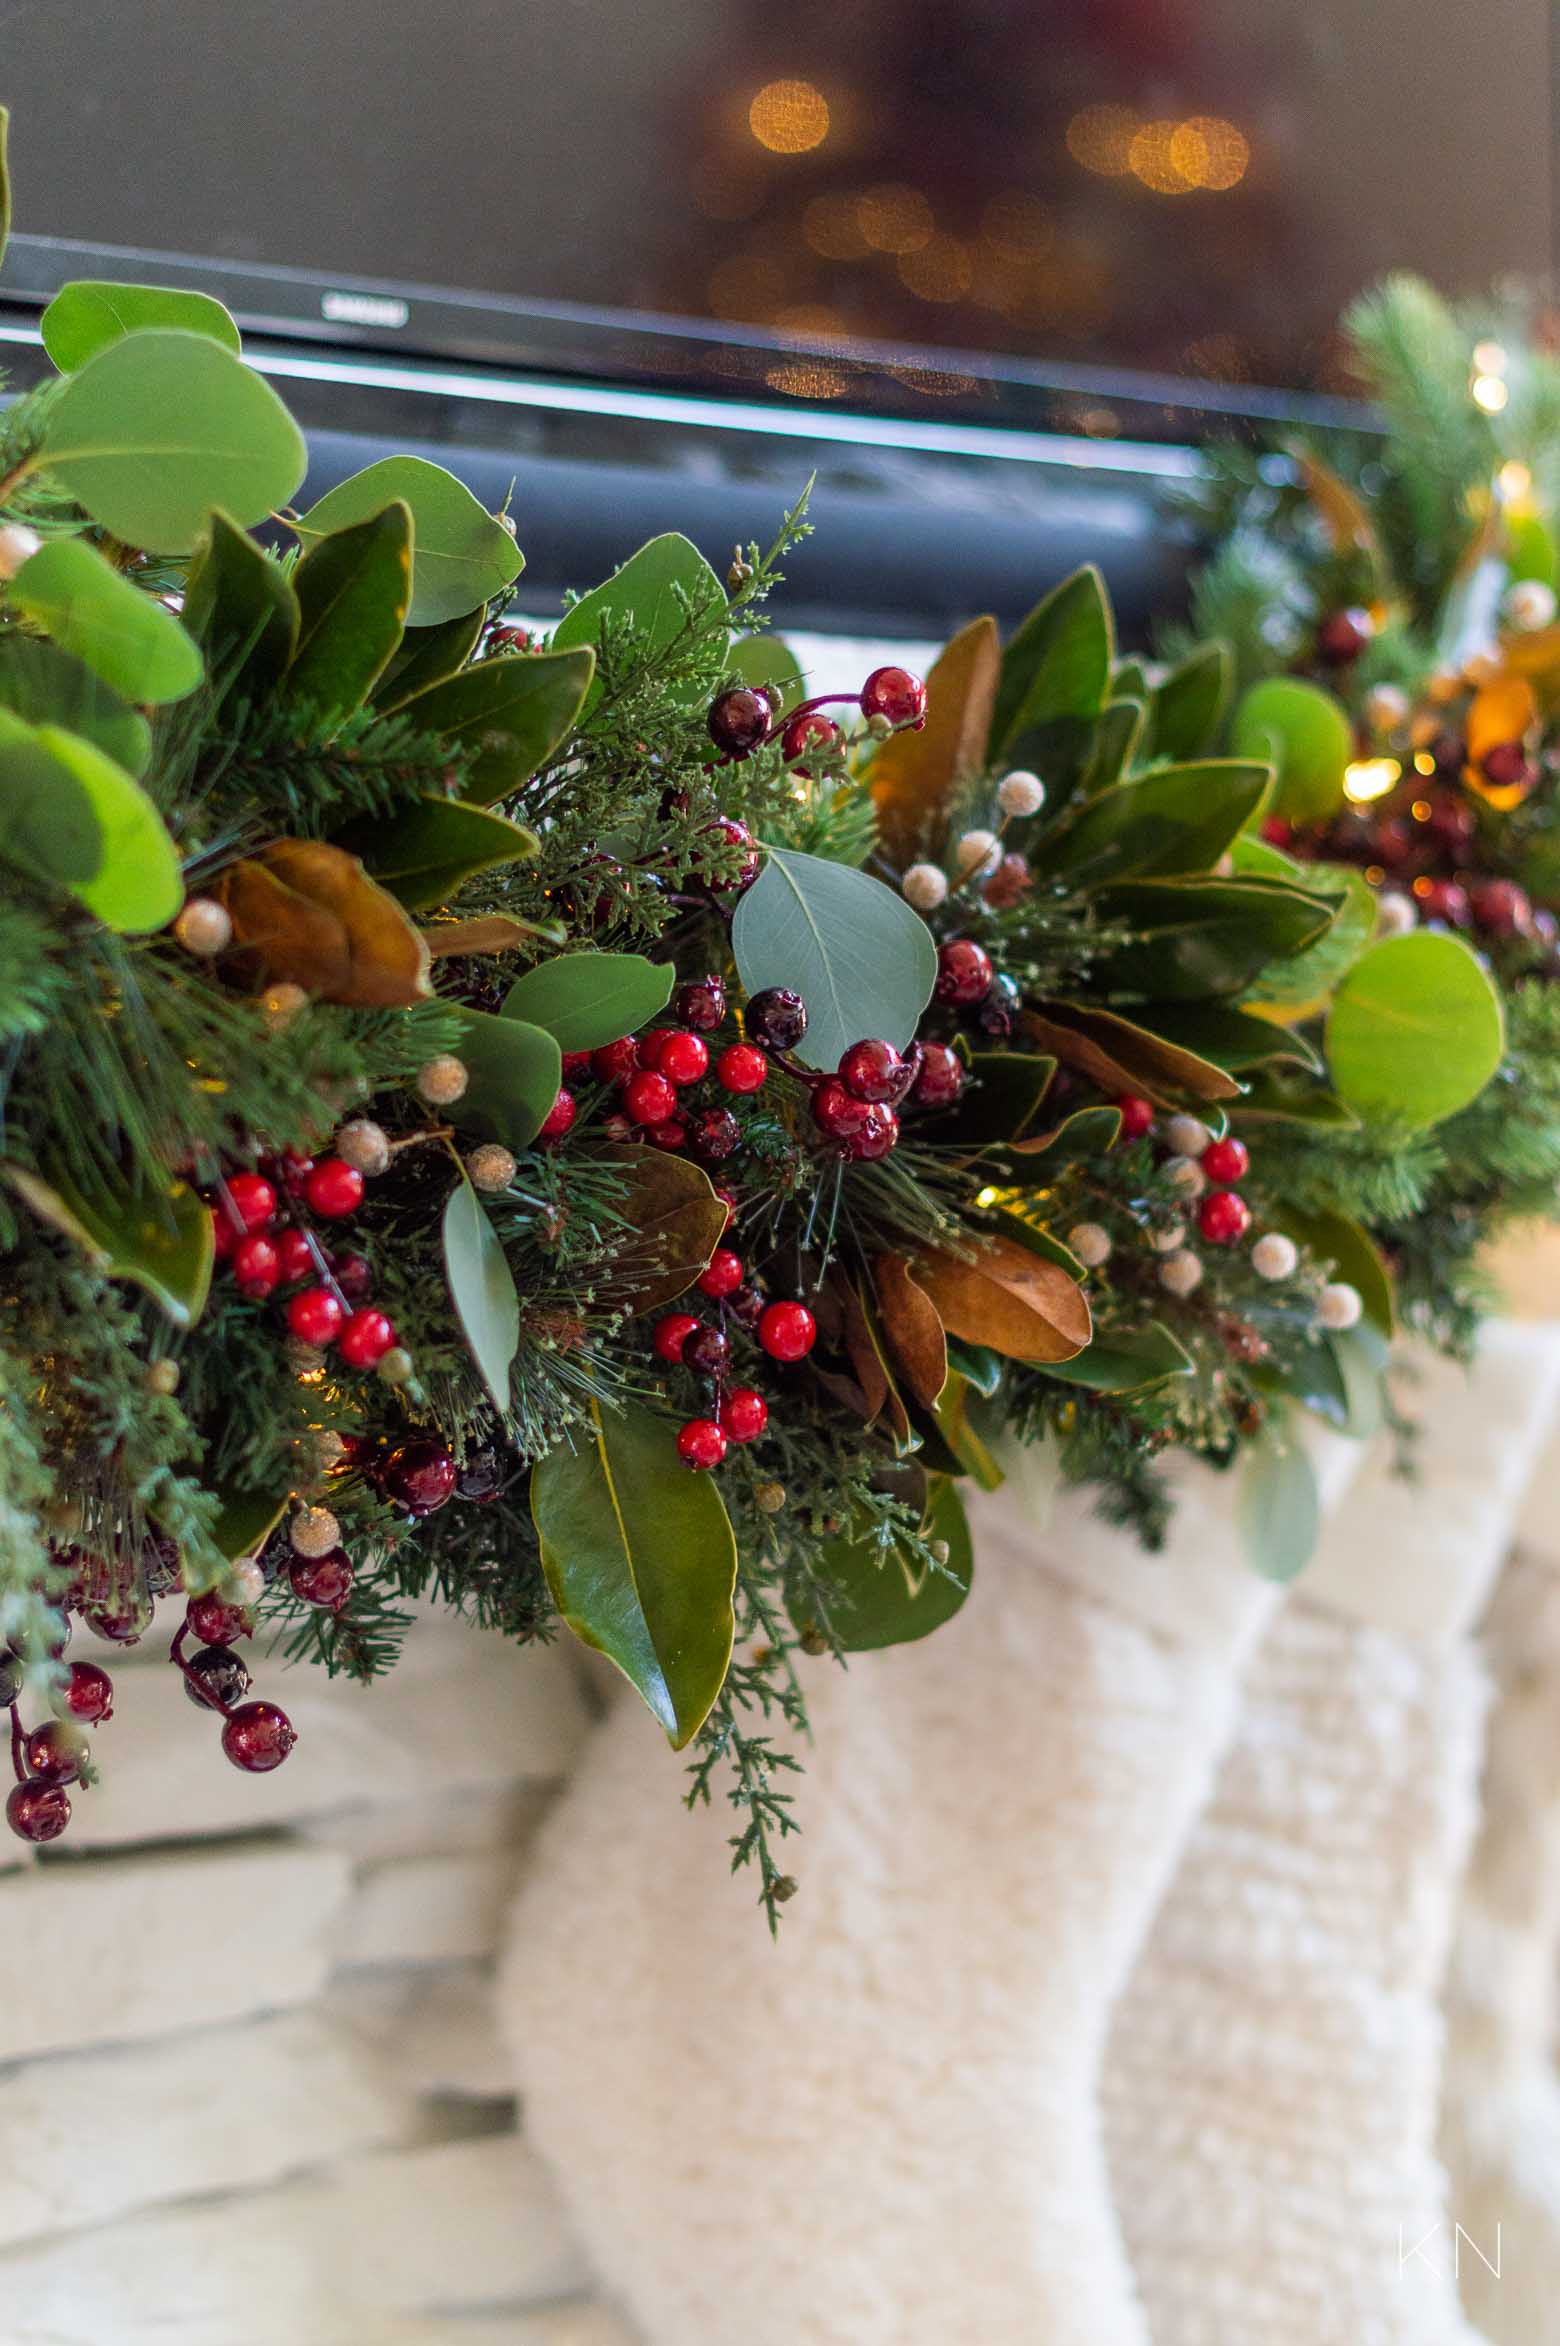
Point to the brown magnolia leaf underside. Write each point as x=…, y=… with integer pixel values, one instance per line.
x=912, y=1328
x=674, y=1224
x=915, y=774
x=307, y=913
x=1121, y=1057
x=1013, y=1301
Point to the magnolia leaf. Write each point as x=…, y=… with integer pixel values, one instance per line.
x=353, y=589
x=1055, y=673
x=491, y=932
x=88, y=608
x=1307, y=735
x=74, y=819
x=1087, y=1132
x=510, y=713
x=912, y=1328
x=1120, y=1056
x=1116, y=740
x=1171, y=819
x=482, y=1289
x=45, y=686
x=914, y=775
x=159, y=428
x=245, y=1520
x=961, y=1439
x=1036, y=1239
x=999, y=1102
x=428, y=656
x=162, y=1244
x=462, y=556
x=1008, y=1299
x=1231, y=1037
x=863, y=962
x=307, y=913
x=867, y=1347
x=588, y=999
x=1189, y=704
x=980, y=1368
x=641, y=1561
x=86, y=316
x=1200, y=937
x=1277, y=1510
x=1278, y=1095
x=1415, y=1031
x=1350, y=1251
x=240, y=607
x=1306, y=980
x=424, y=851
x=1126, y=1360
x=876, y=1595
x=513, y=1074
x=673, y=1224
x=668, y=593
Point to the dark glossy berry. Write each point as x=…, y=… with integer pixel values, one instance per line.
x=1452, y=821
x=37, y=1811
x=161, y=1565
x=257, y=1265
x=215, y=1622
x=835, y=1111
x=739, y=720
x=700, y=1443
x=481, y=1478
x=1009, y=884
x=895, y=694
x=253, y=1198
x=1504, y=765
x=777, y=1018
x=215, y=1678
x=86, y=1693
x=940, y=1079
x=713, y=1135
x=683, y=1058
x=648, y=1098
x=1343, y=635
x=744, y=1414
x=876, y=1135
x=964, y=972
x=871, y=1071
x=559, y=1117
x=706, y=1352
x=576, y=1066
x=722, y=1274
x=1223, y=1217
x=997, y=1016
x=616, y=1062
x=745, y=1305
x=257, y=1737
x=1137, y=1115
x=325, y=1580
x=741, y=1069
x=1500, y=908
x=811, y=730
x=787, y=1331
x=671, y=1334
x=334, y=1189
x=354, y=1275
x=419, y=1475
x=295, y=1259
x=365, y=1338
x=1226, y=1160
x=13, y=1677
x=54, y=1752
x=125, y=1621
x=1442, y=900
x=1389, y=841
x=738, y=835
x=701, y=1004
x=315, y=1315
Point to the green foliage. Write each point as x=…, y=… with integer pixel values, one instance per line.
x=86, y=317
x=463, y=556
x=861, y=960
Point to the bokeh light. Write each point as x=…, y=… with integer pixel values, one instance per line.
x=894, y=218
x=938, y=270
x=1017, y=227
x=806, y=379
x=832, y=228
x=1100, y=138
x=789, y=117
x=1152, y=159
x=1209, y=152
x=1490, y=393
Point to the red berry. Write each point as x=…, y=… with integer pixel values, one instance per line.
x=1226, y=1160
x=742, y=1068
x=254, y=1199
x=558, y=1118
x=1442, y=900
x=257, y=1265
x=940, y=1078
x=224, y=1238
x=257, y=1737
x=745, y=1305
x=683, y=1058
x=713, y=1135
x=315, y=1316
x=724, y=1274
x=701, y=1004
x=964, y=972
x=54, y=1752
x=366, y=1337
x=895, y=694
x=647, y=1047
x=835, y=1111
x=125, y=1622
x=354, y=1275
x=1276, y=831
x=576, y=1066
x=334, y=1189
x=669, y=1135
x=648, y=1098
x=1223, y=1217
x=37, y=1812
x=325, y=1580
x=739, y=720
x=728, y=1198
x=672, y=1333
x=616, y=1062
x=420, y=1476
x=1343, y=635
x=215, y=1622
x=87, y=1693
x=810, y=729
x=1451, y=822
x=777, y=1018
x=1500, y=907
x=1504, y=764
x=294, y=1259
x=700, y=1443
x=1137, y=1115
x=738, y=835
x=744, y=1414
x=878, y=1133
x=706, y=1352
x=872, y=1071
x=787, y=1331
x=294, y=1169
x=1009, y=884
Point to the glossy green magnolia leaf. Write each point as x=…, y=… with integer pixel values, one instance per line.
x=162, y=1244
x=641, y=1561
x=1120, y=1054
x=45, y=686
x=881, y=1596
x=160, y=428
x=1000, y=1102
x=768, y=659
x=240, y=607
x=1204, y=937
x=1311, y=976
x=482, y=1289
x=863, y=962
x=1306, y=733
x=1280, y=1095
x=1040, y=1242
x=1117, y=739
x=587, y=999
x=962, y=1438
x=1171, y=819
x=1277, y=1511
x=427, y=656
x=1415, y=1031
x=71, y=817
x=1129, y=681
x=1189, y=704
x=978, y=1365
x=511, y=713
x=353, y=590
x=246, y=1520
x=669, y=593
x=86, y=606
x=1087, y=1132
x=1055, y=673
x=514, y=1071
x=423, y=852
x=86, y=316
x=462, y=556
x=1231, y=1037
x=1125, y=1360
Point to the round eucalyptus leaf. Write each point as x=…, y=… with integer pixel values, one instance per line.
x=1415, y=1031
x=85, y=605
x=863, y=962
x=1306, y=734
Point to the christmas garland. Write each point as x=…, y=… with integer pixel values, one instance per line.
x=568, y=1125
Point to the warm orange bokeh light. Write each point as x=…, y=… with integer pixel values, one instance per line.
x=789, y=117
x=1100, y=138
x=895, y=219
x=938, y=271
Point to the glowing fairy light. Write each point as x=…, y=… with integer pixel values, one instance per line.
x=1370, y=778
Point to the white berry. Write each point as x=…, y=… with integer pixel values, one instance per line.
x=1020, y=793
x=924, y=886
x=977, y=852
x=1339, y=1306
x=1530, y=604
x=1181, y=1273
x=397, y=1366
x=1386, y=707
x=443, y=1080
x=244, y=1582
x=314, y=1531
x=18, y=544
x=1186, y=1175
x=1187, y=1135
x=491, y=1167
x=203, y=927
x=1090, y=1242
x=1167, y=1237
x=162, y=1376
x=1396, y=913
x=364, y=1145
x=1274, y=1256
x=280, y=1005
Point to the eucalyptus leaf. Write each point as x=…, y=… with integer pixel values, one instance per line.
x=83, y=604
x=641, y=1561
x=1277, y=1510
x=1308, y=978
x=159, y=428
x=72, y=817
x=462, y=556
x=45, y=686
x=863, y=962
x=86, y=316
x=482, y=1289
x=1415, y=1031
x=511, y=713
x=514, y=1071
x=424, y=851
x=1306, y=733
x=667, y=591
x=587, y=999
x=162, y=1244
x=876, y=1596
x=353, y=590
x=240, y=607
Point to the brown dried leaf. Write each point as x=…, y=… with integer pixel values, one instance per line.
x=676, y=1221
x=307, y=913
x=1121, y=1057
x=1343, y=514
x=495, y=932
x=1014, y=1301
x=865, y=1358
x=914, y=1332
x=914, y=774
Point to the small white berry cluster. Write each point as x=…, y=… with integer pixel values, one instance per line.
x=976, y=853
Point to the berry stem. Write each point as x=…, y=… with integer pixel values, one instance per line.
x=16, y=1746
x=208, y=1694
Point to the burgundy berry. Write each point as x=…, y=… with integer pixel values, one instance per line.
x=1137, y=1115
x=1226, y=1160
x=998, y=1014
x=723, y=1273
x=648, y=1098
x=616, y=1062
x=706, y=1352
x=215, y=1622
x=87, y=1693
x=1442, y=900
x=124, y=1622
x=742, y=1068
x=871, y=1071
x=1452, y=822
x=315, y=1315
x=576, y=1066
x=745, y=1305
x=1500, y=907
x=787, y=1331
x=215, y=1678
x=254, y=1199
x=1009, y=884
x=738, y=835
x=878, y=1134
x=895, y=694
x=964, y=972
x=13, y=1677
x=1504, y=765
x=701, y=1444
x=940, y=1079
x=37, y=1811
x=713, y=1135
x=701, y=1004
x=810, y=729
x=257, y=1737
x=558, y=1118
x=1343, y=635
x=777, y=1018
x=1223, y=1217
x=365, y=1338
x=419, y=1476
x=728, y=1198
x=257, y=1265
x=670, y=1135
x=683, y=1058
x=671, y=1334
x=325, y=1581
x=54, y=1752
x=835, y=1111
x=354, y=1275
x=744, y=1414
x=481, y=1478
x=334, y=1189
x=738, y=721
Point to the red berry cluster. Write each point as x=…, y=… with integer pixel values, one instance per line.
x=748, y=716
x=256, y=1736
x=48, y=1758
x=1223, y=1216
x=967, y=982
x=786, y=1331
x=261, y=1229
x=656, y=1075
